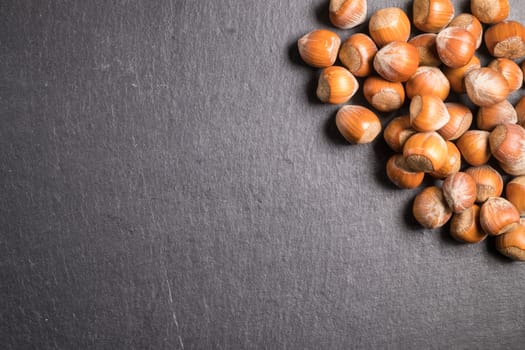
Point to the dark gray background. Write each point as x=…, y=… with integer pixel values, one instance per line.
x=169, y=181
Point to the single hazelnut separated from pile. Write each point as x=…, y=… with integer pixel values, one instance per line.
x=459, y=190
x=432, y=15
x=346, y=14
x=507, y=144
x=388, y=25
x=512, y=243
x=486, y=86
x=428, y=81
x=490, y=11
x=400, y=174
x=357, y=124
x=383, y=95
x=319, y=48
x=465, y=226
x=459, y=122
x=471, y=24
x=426, y=48
x=397, y=131
x=491, y=116
x=452, y=163
x=430, y=209
x=489, y=182
x=498, y=216
x=336, y=85
x=455, y=46
x=396, y=61
x=474, y=147
x=506, y=39
x=357, y=54
x=515, y=193
x=456, y=76
x=510, y=71
x=425, y=151
x=428, y=113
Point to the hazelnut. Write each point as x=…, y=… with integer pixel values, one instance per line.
x=498, y=215
x=459, y=122
x=490, y=11
x=428, y=81
x=452, y=163
x=396, y=61
x=512, y=243
x=455, y=46
x=357, y=124
x=388, y=25
x=428, y=113
x=459, y=190
x=346, y=14
x=491, y=116
x=515, y=193
x=489, y=182
x=465, y=226
x=400, y=174
x=430, y=209
x=425, y=151
x=426, y=48
x=397, y=131
x=336, y=85
x=383, y=95
x=506, y=39
x=486, y=86
x=456, y=76
x=357, y=54
x=471, y=24
x=520, y=111
x=474, y=147
x=510, y=71
x=432, y=15
x=507, y=144
x=319, y=48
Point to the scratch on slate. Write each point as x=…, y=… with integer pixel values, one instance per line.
x=173, y=314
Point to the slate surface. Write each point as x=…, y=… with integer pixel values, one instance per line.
x=169, y=181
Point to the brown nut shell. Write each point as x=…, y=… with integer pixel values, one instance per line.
x=465, y=226
x=346, y=14
x=426, y=48
x=515, y=193
x=506, y=39
x=388, y=25
x=491, y=116
x=489, y=182
x=397, y=61
x=498, y=216
x=474, y=147
x=459, y=190
x=507, y=144
x=486, y=86
x=425, y=151
x=319, y=48
x=428, y=113
x=490, y=11
x=456, y=76
x=452, y=164
x=336, y=85
x=428, y=81
x=512, y=243
x=383, y=95
x=357, y=54
x=510, y=70
x=471, y=24
x=397, y=131
x=357, y=124
x=455, y=46
x=520, y=111
x=430, y=209
x=401, y=175
x=459, y=122
x=432, y=15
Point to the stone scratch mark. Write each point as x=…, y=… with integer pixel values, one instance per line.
x=173, y=314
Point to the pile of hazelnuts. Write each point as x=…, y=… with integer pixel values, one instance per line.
x=435, y=137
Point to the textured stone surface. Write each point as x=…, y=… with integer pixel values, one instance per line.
x=169, y=181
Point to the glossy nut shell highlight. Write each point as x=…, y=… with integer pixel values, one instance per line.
x=459, y=190
x=498, y=216
x=512, y=243
x=357, y=54
x=506, y=39
x=432, y=15
x=401, y=175
x=465, y=226
x=388, y=25
x=346, y=14
x=336, y=85
x=430, y=209
x=489, y=182
x=396, y=61
x=319, y=48
x=425, y=151
x=357, y=124
x=515, y=193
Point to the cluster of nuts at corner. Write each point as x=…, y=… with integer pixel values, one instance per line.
x=435, y=137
